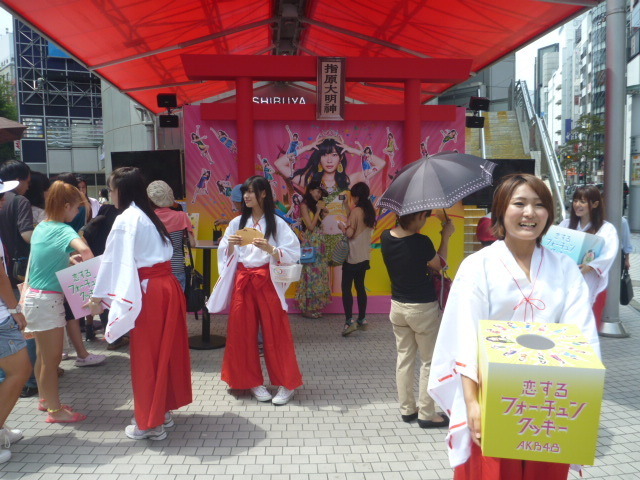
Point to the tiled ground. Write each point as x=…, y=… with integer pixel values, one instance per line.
x=343, y=424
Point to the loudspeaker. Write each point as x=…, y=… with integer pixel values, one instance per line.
x=167, y=100
x=475, y=122
x=169, y=121
x=479, y=103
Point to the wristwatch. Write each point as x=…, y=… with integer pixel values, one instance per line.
x=16, y=310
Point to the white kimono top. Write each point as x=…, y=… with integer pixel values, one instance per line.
x=251, y=256
x=490, y=285
x=598, y=278
x=133, y=242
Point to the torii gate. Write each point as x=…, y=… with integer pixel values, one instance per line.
x=245, y=69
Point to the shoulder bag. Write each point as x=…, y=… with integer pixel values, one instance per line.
x=308, y=254
x=626, y=288
x=340, y=252
x=194, y=293
x=441, y=282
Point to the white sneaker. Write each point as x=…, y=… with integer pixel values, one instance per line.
x=283, y=396
x=91, y=361
x=261, y=393
x=158, y=433
x=5, y=456
x=168, y=420
x=9, y=436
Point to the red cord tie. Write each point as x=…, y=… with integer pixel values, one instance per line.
x=530, y=304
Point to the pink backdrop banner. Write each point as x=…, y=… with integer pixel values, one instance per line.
x=287, y=154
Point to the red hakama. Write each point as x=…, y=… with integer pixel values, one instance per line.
x=255, y=302
x=479, y=467
x=598, y=308
x=160, y=359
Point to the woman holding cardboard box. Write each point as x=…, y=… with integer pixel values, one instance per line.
x=514, y=279
x=587, y=215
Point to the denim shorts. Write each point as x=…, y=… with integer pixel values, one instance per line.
x=11, y=338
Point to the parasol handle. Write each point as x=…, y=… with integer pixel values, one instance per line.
x=446, y=217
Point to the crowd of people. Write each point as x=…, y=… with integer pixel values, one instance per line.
x=139, y=294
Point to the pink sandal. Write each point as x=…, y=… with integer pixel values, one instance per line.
x=42, y=408
x=76, y=417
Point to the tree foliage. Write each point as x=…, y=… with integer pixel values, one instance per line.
x=586, y=142
x=8, y=109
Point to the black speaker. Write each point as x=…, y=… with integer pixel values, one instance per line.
x=479, y=103
x=169, y=121
x=167, y=100
x=475, y=122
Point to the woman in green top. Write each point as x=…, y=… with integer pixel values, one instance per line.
x=51, y=244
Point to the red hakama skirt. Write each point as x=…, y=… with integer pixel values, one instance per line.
x=479, y=467
x=598, y=308
x=160, y=359
x=254, y=303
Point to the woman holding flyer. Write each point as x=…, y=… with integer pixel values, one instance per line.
x=587, y=215
x=513, y=280
x=51, y=244
x=135, y=278
x=257, y=302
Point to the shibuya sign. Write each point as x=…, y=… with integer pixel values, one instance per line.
x=280, y=100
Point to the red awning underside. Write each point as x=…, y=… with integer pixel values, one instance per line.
x=98, y=32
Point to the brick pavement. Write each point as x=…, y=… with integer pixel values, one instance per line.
x=343, y=424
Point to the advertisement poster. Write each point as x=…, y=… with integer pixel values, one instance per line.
x=291, y=154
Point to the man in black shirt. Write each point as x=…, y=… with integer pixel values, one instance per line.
x=16, y=227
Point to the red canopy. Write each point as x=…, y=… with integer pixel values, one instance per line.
x=137, y=45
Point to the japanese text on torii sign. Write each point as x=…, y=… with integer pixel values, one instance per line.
x=331, y=83
x=545, y=409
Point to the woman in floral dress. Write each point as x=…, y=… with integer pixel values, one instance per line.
x=314, y=292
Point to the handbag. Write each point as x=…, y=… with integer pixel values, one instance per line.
x=441, y=282
x=308, y=254
x=626, y=288
x=193, y=291
x=19, y=271
x=217, y=234
x=340, y=252
x=285, y=273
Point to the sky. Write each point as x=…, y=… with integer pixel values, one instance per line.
x=524, y=58
x=5, y=20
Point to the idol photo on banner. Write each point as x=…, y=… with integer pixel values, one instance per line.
x=292, y=154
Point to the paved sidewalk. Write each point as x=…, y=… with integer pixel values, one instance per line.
x=343, y=424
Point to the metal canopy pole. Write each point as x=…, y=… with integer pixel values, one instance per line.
x=614, y=152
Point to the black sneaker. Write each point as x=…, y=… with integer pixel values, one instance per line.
x=29, y=392
x=89, y=333
x=410, y=418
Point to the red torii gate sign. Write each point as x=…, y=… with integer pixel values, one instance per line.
x=245, y=69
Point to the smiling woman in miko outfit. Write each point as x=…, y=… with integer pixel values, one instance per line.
x=517, y=280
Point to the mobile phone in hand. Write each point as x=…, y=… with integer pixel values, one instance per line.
x=342, y=197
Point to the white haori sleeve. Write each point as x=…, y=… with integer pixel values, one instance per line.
x=118, y=282
x=288, y=245
x=577, y=310
x=227, y=265
x=456, y=352
x=603, y=262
